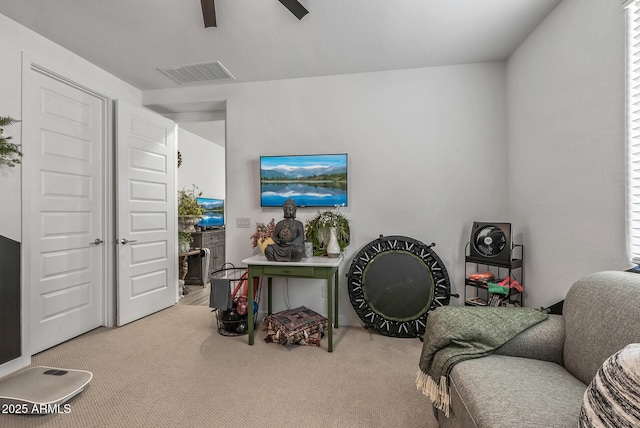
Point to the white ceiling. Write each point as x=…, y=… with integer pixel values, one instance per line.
x=261, y=40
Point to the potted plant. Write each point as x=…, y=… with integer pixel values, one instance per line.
x=262, y=236
x=184, y=241
x=189, y=212
x=9, y=153
x=323, y=228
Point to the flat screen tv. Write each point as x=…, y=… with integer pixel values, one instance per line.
x=213, y=216
x=310, y=180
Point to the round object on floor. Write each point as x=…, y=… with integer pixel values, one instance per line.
x=242, y=327
x=394, y=282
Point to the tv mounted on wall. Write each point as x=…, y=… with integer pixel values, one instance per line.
x=213, y=216
x=310, y=180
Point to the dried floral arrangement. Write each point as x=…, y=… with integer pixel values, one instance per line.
x=263, y=231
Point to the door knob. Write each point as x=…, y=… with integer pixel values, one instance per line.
x=125, y=241
x=98, y=241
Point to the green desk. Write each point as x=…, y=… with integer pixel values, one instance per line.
x=311, y=268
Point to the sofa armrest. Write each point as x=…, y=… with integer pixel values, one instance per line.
x=544, y=341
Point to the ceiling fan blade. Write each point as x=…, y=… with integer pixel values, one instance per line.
x=295, y=7
x=209, y=13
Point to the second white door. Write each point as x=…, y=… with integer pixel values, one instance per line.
x=146, y=213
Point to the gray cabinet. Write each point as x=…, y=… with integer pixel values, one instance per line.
x=214, y=240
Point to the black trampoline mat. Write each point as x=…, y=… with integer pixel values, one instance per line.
x=398, y=285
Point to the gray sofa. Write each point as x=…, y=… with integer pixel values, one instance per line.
x=538, y=378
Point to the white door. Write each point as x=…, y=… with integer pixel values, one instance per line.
x=146, y=213
x=63, y=141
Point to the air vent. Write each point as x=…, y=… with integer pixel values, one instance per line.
x=197, y=73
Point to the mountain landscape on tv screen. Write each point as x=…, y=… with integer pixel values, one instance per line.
x=310, y=180
x=295, y=172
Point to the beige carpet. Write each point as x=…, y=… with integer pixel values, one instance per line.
x=173, y=369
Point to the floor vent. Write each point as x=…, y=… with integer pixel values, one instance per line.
x=197, y=73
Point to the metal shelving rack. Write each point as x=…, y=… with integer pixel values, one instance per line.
x=501, y=269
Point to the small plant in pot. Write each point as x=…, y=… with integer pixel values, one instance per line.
x=184, y=241
x=319, y=231
x=189, y=212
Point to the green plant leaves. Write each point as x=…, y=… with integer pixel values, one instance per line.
x=316, y=230
x=188, y=203
x=10, y=153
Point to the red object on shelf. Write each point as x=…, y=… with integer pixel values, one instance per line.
x=481, y=276
x=511, y=283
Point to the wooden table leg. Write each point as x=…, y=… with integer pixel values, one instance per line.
x=269, y=284
x=250, y=313
x=184, y=269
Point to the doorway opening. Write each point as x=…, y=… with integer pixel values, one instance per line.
x=201, y=147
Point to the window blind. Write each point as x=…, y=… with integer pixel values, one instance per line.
x=633, y=129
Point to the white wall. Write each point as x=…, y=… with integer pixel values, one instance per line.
x=427, y=155
x=566, y=146
x=203, y=164
x=10, y=105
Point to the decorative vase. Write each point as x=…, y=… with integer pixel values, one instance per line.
x=186, y=223
x=308, y=249
x=184, y=247
x=263, y=244
x=333, y=249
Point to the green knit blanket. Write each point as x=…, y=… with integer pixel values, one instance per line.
x=454, y=334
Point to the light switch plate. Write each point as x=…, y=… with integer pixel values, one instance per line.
x=243, y=222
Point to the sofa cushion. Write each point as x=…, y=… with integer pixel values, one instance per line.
x=613, y=396
x=601, y=317
x=543, y=341
x=502, y=391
